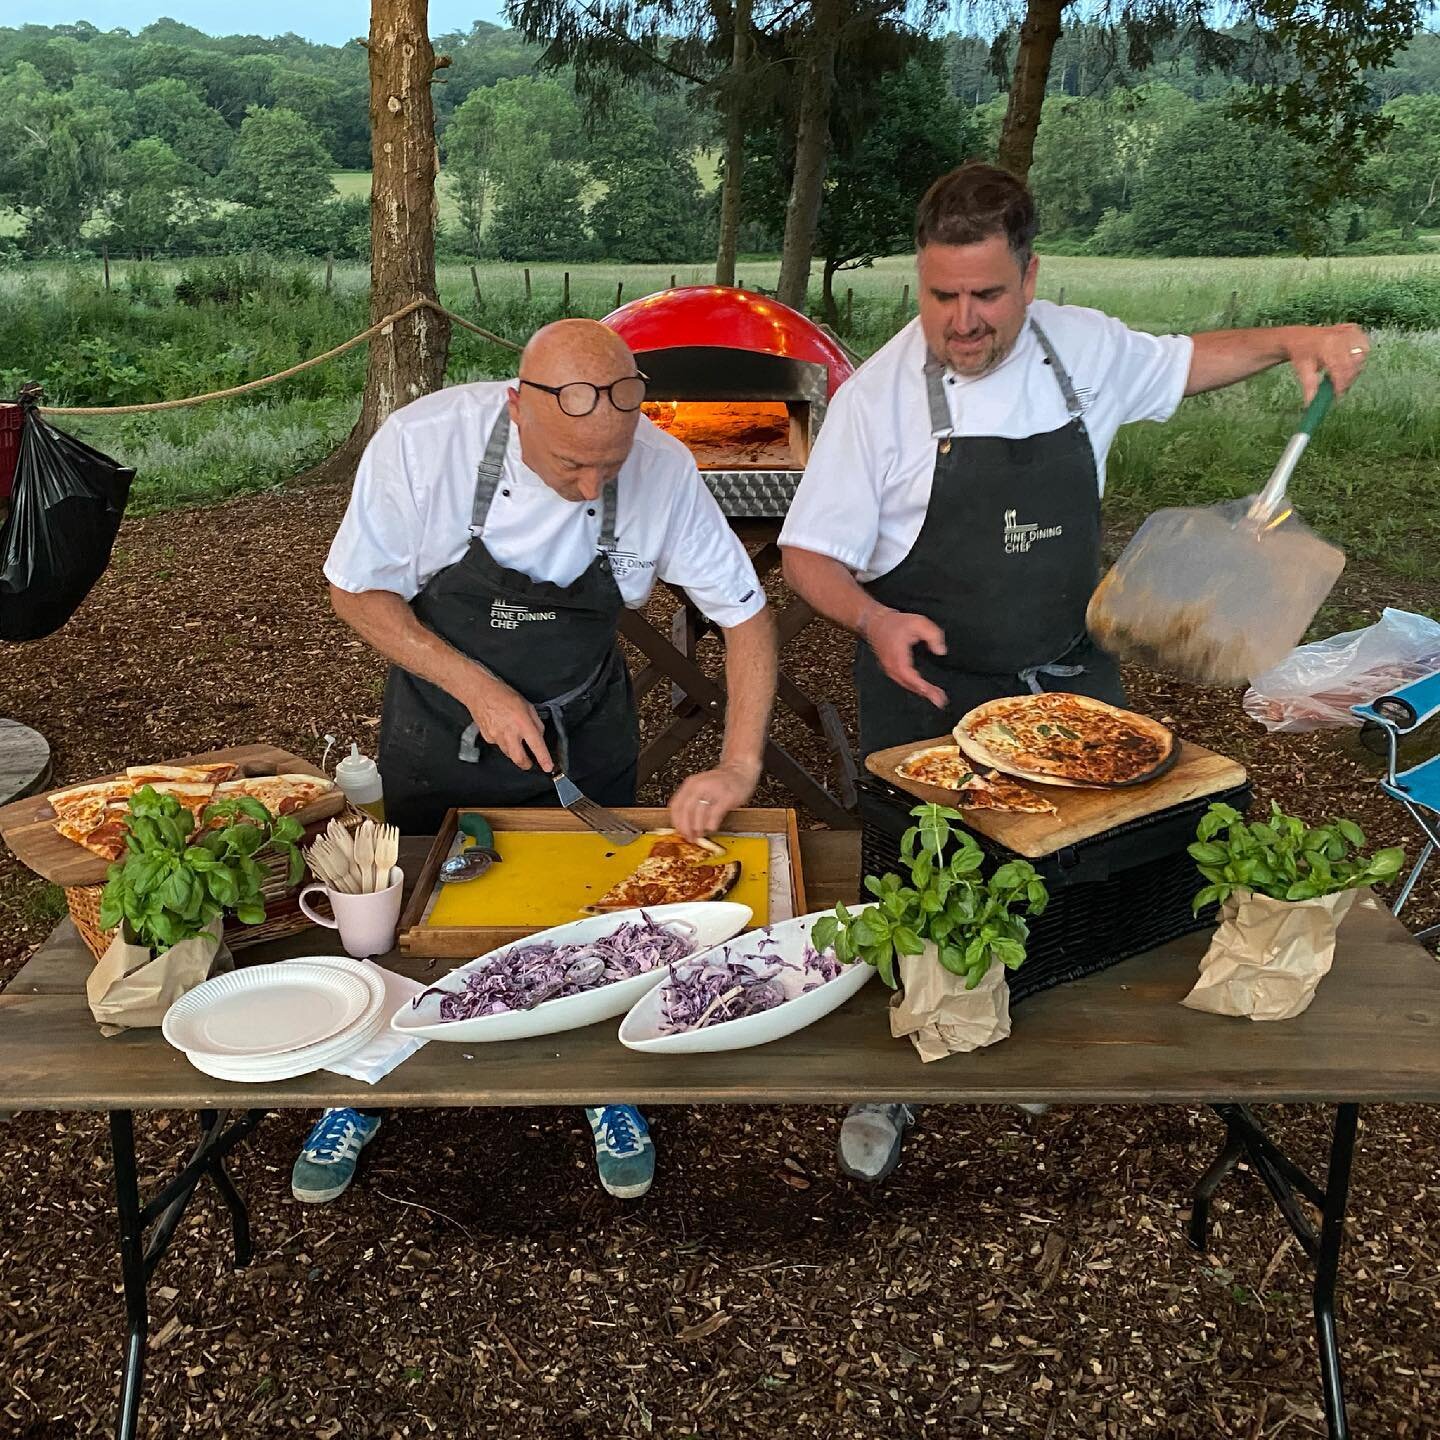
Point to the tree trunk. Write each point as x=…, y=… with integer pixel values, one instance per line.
x=812, y=152
x=829, y=308
x=1038, y=37
x=734, y=101
x=408, y=360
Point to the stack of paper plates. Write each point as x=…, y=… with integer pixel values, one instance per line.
x=274, y=1022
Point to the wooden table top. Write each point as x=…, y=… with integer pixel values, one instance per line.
x=1372, y=1034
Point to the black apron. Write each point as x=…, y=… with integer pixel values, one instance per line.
x=556, y=645
x=1005, y=563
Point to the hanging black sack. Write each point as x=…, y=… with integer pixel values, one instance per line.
x=65, y=509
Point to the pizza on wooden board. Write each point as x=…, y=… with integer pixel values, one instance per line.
x=946, y=767
x=1064, y=739
x=279, y=794
x=675, y=871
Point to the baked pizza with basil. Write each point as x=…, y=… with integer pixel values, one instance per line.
x=1064, y=739
x=676, y=870
x=948, y=768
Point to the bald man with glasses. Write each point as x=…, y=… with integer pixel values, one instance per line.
x=494, y=536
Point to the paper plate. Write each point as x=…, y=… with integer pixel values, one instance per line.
x=267, y=1010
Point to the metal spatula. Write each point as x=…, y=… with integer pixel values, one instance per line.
x=605, y=822
x=1220, y=594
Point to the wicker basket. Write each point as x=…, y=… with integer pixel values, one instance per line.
x=283, y=915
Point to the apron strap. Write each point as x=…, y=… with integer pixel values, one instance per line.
x=1062, y=375
x=940, y=425
x=487, y=475
x=608, y=505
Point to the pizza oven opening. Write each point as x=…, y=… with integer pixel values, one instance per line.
x=741, y=380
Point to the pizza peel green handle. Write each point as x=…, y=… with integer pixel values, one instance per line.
x=1271, y=500
x=477, y=827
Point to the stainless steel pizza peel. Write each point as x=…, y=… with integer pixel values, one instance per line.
x=1220, y=594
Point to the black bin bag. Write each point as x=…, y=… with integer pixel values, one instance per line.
x=65, y=509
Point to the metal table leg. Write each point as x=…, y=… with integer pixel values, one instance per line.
x=139, y=1256
x=1292, y=1189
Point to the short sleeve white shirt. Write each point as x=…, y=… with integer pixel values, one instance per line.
x=410, y=511
x=866, y=488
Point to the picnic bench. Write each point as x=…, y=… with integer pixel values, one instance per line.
x=1119, y=1037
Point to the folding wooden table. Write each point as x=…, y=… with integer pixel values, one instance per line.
x=1119, y=1037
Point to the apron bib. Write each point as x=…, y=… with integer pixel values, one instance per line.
x=1005, y=563
x=556, y=645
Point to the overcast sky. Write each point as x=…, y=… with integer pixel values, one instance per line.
x=330, y=21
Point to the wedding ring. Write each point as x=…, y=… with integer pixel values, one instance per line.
x=706, y=802
x=1357, y=349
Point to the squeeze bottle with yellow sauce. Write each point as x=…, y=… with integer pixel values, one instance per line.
x=359, y=777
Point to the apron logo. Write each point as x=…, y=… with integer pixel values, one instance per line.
x=511, y=617
x=1019, y=538
x=623, y=562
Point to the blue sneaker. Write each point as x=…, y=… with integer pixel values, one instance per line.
x=624, y=1151
x=325, y=1165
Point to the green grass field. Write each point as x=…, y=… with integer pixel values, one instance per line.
x=1372, y=479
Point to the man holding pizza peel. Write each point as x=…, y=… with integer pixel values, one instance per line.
x=495, y=534
x=950, y=512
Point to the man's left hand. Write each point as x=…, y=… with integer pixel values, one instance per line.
x=700, y=805
x=1337, y=350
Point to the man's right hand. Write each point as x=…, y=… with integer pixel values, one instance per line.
x=509, y=721
x=893, y=635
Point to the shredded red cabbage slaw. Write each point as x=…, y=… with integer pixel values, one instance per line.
x=723, y=989
x=527, y=975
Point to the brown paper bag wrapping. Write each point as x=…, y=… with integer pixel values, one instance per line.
x=1269, y=956
x=133, y=987
x=940, y=1015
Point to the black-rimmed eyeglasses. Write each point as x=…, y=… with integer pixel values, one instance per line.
x=579, y=398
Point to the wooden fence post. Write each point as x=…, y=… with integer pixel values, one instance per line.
x=329, y=270
x=527, y=284
x=565, y=303
x=619, y=290
x=905, y=299
x=105, y=252
x=1232, y=313
x=475, y=282
x=1061, y=300
x=849, y=311
x=672, y=282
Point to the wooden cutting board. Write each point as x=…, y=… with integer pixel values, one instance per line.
x=27, y=826
x=1197, y=772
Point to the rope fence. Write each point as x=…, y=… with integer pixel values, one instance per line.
x=423, y=303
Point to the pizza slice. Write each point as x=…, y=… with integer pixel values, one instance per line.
x=942, y=765
x=208, y=774
x=279, y=794
x=192, y=796
x=1009, y=797
x=675, y=871
x=104, y=790
x=97, y=824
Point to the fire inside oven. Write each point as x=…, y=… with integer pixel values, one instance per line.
x=748, y=418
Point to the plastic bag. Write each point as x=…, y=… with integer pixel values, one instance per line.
x=65, y=509
x=1315, y=685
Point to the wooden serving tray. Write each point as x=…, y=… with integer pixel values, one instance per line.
x=1197, y=772
x=419, y=937
x=27, y=826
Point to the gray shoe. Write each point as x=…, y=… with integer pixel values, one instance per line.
x=870, y=1139
x=1036, y=1110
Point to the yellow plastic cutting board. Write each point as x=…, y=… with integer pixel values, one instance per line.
x=546, y=879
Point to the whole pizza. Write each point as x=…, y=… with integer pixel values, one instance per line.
x=1063, y=739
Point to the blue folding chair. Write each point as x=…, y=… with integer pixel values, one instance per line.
x=1418, y=788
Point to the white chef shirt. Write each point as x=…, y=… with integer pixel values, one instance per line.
x=866, y=489
x=409, y=513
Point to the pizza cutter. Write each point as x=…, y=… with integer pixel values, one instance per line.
x=472, y=862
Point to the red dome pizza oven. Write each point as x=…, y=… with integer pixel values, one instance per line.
x=742, y=379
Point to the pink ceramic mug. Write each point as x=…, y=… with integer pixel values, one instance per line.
x=366, y=922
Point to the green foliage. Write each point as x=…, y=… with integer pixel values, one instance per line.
x=1219, y=186
x=157, y=193
x=1404, y=174
x=541, y=217
x=278, y=179
x=970, y=920
x=173, y=882
x=1284, y=858
x=173, y=111
x=1392, y=302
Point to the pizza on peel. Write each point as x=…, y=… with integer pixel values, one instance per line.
x=675, y=871
x=1063, y=739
